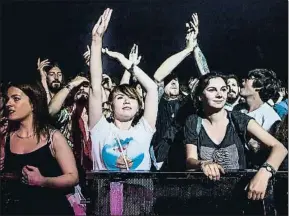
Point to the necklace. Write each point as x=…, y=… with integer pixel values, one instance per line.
x=21, y=137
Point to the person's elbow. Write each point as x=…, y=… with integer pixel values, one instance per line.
x=74, y=178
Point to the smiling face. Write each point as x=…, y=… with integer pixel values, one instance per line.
x=215, y=94
x=18, y=105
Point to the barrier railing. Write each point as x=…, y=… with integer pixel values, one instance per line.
x=185, y=193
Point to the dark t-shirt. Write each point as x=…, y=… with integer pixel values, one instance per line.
x=230, y=153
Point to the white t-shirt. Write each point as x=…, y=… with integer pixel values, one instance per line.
x=265, y=115
x=135, y=143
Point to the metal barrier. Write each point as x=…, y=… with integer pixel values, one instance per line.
x=186, y=193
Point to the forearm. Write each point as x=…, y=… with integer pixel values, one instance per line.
x=57, y=101
x=277, y=155
x=64, y=181
x=201, y=61
x=45, y=86
x=96, y=65
x=170, y=64
x=193, y=163
x=125, y=78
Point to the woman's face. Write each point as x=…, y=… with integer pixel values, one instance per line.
x=124, y=107
x=18, y=104
x=215, y=94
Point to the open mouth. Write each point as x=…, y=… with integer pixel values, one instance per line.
x=10, y=112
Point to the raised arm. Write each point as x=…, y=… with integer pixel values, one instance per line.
x=95, y=95
x=135, y=59
x=172, y=62
x=43, y=76
x=151, y=99
x=200, y=59
x=58, y=100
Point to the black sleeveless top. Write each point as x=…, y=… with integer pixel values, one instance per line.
x=26, y=199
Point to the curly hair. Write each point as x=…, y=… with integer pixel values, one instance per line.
x=267, y=81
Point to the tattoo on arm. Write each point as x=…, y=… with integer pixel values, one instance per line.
x=201, y=61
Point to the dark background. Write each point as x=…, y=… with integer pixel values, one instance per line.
x=235, y=36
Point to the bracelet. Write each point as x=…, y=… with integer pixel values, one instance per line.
x=269, y=168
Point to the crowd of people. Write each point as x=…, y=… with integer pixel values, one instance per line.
x=53, y=130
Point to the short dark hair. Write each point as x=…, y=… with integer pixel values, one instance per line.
x=233, y=76
x=131, y=92
x=267, y=81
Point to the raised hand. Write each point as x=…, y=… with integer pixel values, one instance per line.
x=40, y=68
x=86, y=56
x=133, y=56
x=282, y=92
x=192, y=31
x=112, y=54
x=101, y=25
x=106, y=82
x=77, y=81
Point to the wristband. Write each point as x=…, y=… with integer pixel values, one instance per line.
x=269, y=168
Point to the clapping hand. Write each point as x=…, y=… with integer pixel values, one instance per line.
x=192, y=31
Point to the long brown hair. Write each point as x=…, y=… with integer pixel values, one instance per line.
x=38, y=100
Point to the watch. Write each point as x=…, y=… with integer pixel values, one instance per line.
x=269, y=168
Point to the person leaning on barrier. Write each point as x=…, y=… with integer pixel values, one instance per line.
x=215, y=138
x=122, y=144
x=36, y=153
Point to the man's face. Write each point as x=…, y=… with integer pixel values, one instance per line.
x=54, y=79
x=247, y=87
x=234, y=90
x=172, y=88
x=82, y=93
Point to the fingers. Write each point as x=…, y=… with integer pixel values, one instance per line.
x=221, y=169
x=195, y=19
x=96, y=25
x=136, y=49
x=31, y=168
x=212, y=170
x=254, y=194
x=108, y=16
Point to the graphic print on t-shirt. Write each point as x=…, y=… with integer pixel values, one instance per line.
x=111, y=152
x=227, y=157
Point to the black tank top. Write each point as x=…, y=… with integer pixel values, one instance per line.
x=45, y=200
x=40, y=158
